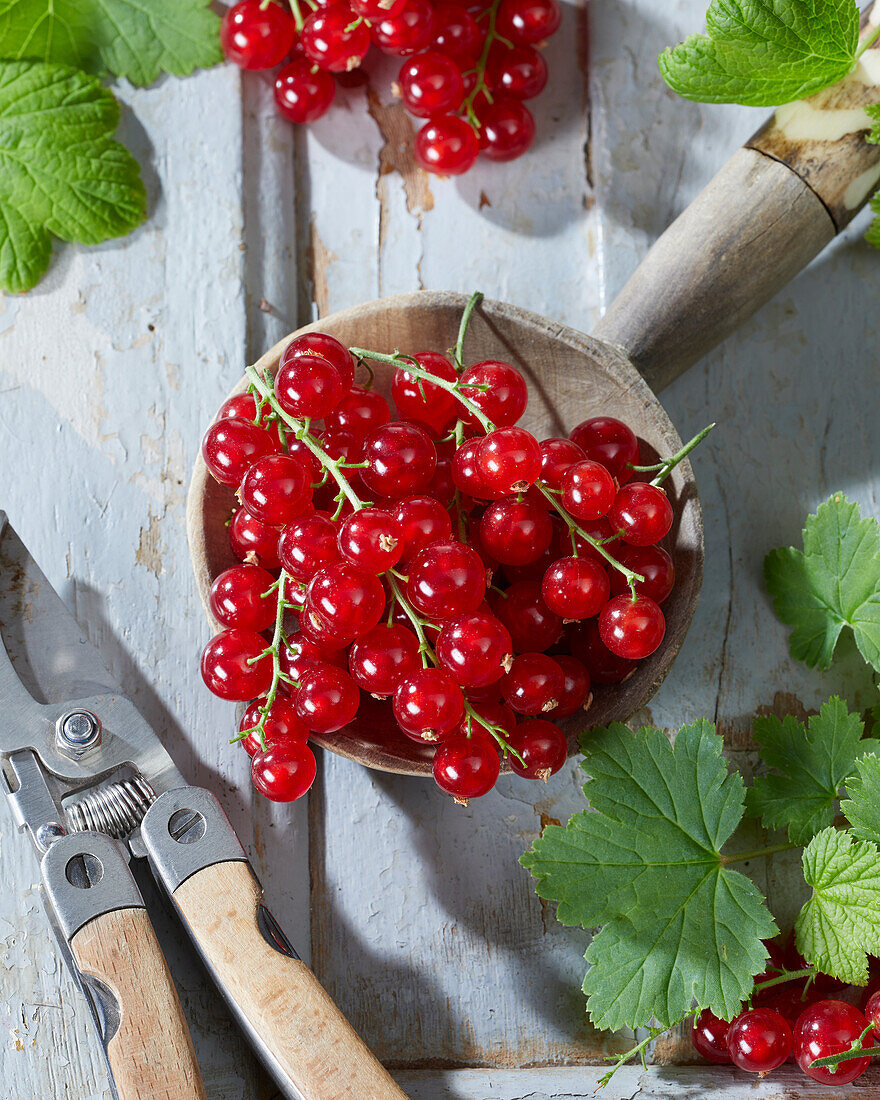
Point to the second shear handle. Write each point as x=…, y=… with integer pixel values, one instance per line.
x=99, y=916
x=294, y=1025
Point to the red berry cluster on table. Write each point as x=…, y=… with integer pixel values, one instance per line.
x=794, y=1015
x=479, y=579
x=469, y=66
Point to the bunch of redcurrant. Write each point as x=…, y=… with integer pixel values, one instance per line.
x=469, y=66
x=794, y=1020
x=447, y=561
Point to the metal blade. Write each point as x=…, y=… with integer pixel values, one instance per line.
x=48, y=667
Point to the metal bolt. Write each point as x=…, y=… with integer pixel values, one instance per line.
x=77, y=733
x=187, y=826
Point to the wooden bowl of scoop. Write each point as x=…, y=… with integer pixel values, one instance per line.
x=772, y=208
x=570, y=377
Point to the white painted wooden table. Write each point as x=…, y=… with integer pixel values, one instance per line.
x=415, y=911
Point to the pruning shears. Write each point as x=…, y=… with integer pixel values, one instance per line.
x=92, y=786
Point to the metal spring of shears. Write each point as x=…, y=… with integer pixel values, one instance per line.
x=116, y=809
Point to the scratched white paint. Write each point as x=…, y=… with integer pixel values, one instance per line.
x=423, y=924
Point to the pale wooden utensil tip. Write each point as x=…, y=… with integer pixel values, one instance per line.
x=570, y=377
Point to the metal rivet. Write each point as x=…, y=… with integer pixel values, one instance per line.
x=187, y=826
x=84, y=871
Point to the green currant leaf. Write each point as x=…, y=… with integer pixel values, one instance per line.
x=814, y=760
x=61, y=172
x=862, y=808
x=645, y=862
x=764, y=52
x=137, y=39
x=833, y=584
x=840, y=925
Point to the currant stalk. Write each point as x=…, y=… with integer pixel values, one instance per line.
x=480, y=68
x=665, y=468
x=856, y=1050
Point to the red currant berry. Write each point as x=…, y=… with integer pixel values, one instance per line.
x=401, y=459
x=301, y=654
x=282, y=724
x=603, y=666
x=519, y=72
x=308, y=544
x=327, y=699
x=277, y=489
x=379, y=660
x=235, y=665
x=759, y=1040
x=575, y=687
x=588, y=490
x=507, y=129
x=328, y=347
x=650, y=562
x=467, y=767
x=829, y=1027
x=240, y=597
x=475, y=648
x=709, y=1036
x=533, y=626
x=284, y=772
x=466, y=476
x=516, y=532
x=359, y=412
x=446, y=146
x=422, y=520
x=527, y=22
x=253, y=541
x=575, y=588
x=611, y=442
x=256, y=35
x=308, y=386
x=406, y=32
x=322, y=634
x=542, y=746
x=335, y=39
x=533, y=685
x=428, y=704
x=872, y=1012
x=437, y=406
x=446, y=579
x=502, y=395
x=345, y=598
x=303, y=93
x=642, y=512
x=457, y=34
x=509, y=461
x=242, y=406
x=430, y=84
x=231, y=447
x=378, y=9
x=632, y=628
x=557, y=455
x=371, y=538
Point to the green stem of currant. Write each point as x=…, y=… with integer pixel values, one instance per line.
x=868, y=42
x=630, y=577
x=475, y=299
x=496, y=731
x=832, y=1061
x=275, y=649
x=757, y=853
x=412, y=366
x=665, y=468
x=619, y=1060
x=785, y=976
x=418, y=623
x=460, y=518
x=297, y=15
x=467, y=108
x=300, y=429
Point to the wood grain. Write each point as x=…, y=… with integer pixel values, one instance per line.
x=151, y=1053
x=282, y=1000
x=570, y=377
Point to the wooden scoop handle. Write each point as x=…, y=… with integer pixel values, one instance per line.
x=151, y=1053
x=772, y=208
x=279, y=1001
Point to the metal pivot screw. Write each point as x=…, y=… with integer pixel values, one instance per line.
x=77, y=733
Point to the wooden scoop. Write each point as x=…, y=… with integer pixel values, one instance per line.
x=767, y=213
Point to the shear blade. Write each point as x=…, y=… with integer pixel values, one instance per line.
x=47, y=664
